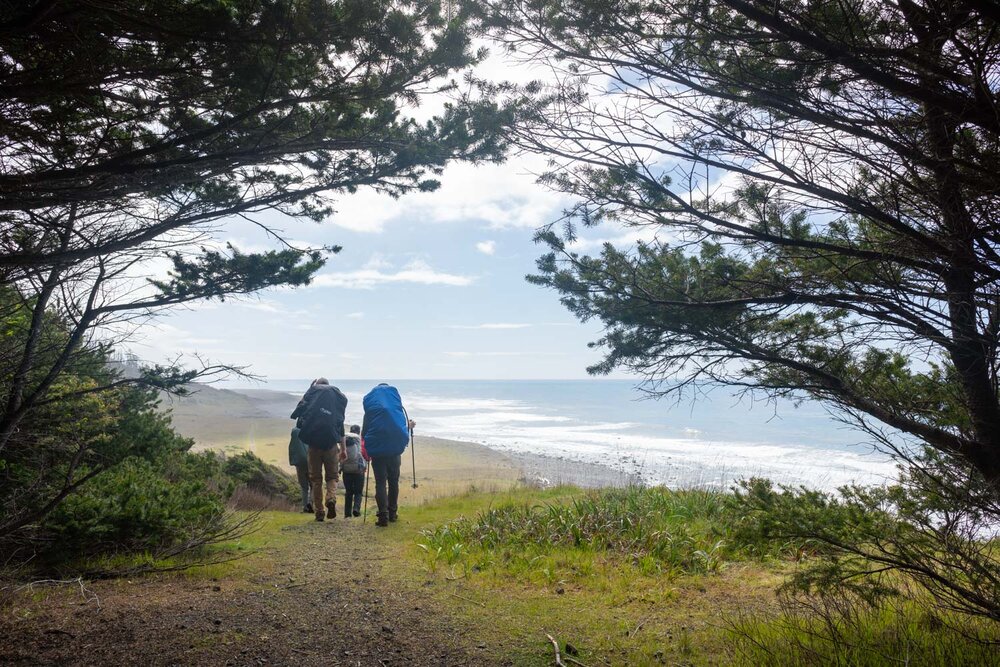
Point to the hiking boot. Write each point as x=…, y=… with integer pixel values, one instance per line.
x=331, y=509
x=382, y=521
x=356, y=512
x=320, y=517
x=393, y=517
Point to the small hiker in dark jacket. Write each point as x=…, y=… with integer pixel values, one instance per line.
x=298, y=456
x=321, y=412
x=354, y=473
x=385, y=432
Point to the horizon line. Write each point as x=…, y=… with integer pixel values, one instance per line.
x=451, y=379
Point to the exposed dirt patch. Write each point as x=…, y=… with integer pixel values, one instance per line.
x=319, y=601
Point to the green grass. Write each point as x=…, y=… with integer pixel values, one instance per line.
x=268, y=535
x=654, y=531
x=645, y=577
x=633, y=576
x=903, y=633
x=640, y=577
x=224, y=559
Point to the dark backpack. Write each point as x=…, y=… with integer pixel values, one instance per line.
x=323, y=417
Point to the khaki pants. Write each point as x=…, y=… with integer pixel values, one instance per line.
x=318, y=460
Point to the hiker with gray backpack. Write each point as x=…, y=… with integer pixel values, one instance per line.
x=386, y=432
x=321, y=413
x=353, y=467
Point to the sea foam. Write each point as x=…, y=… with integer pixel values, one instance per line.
x=710, y=441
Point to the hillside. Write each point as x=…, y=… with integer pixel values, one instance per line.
x=255, y=420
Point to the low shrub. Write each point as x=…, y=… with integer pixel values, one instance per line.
x=174, y=504
x=249, y=470
x=132, y=507
x=249, y=499
x=937, y=529
x=769, y=521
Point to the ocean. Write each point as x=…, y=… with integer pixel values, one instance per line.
x=711, y=441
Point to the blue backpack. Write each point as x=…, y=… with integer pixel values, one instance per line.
x=386, y=429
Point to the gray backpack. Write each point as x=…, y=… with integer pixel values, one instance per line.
x=354, y=462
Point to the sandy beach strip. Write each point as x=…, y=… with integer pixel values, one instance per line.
x=459, y=461
x=256, y=420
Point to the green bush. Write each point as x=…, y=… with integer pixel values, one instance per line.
x=938, y=528
x=133, y=507
x=96, y=468
x=151, y=507
x=767, y=521
x=249, y=470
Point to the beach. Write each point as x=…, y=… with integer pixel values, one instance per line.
x=257, y=420
x=547, y=427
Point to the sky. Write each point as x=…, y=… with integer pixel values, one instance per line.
x=428, y=286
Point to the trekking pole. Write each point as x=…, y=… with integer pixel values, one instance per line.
x=413, y=456
x=367, y=469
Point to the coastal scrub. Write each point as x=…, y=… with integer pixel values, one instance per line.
x=655, y=530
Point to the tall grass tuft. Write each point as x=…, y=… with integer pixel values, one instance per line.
x=653, y=528
x=846, y=631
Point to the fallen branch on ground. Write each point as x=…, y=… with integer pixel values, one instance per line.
x=555, y=645
x=87, y=594
x=231, y=528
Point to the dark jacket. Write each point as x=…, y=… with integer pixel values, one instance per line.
x=321, y=416
x=298, y=453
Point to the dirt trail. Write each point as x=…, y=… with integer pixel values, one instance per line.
x=311, y=601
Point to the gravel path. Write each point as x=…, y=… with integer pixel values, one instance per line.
x=313, y=603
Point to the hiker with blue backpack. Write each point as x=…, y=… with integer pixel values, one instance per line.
x=321, y=414
x=386, y=432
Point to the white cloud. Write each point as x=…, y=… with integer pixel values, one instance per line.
x=417, y=272
x=264, y=305
x=465, y=355
x=355, y=316
x=487, y=247
x=497, y=325
x=502, y=196
x=484, y=354
x=245, y=246
x=499, y=195
x=161, y=340
x=623, y=238
x=377, y=262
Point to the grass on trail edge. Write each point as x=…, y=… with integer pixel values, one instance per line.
x=637, y=576
x=651, y=576
x=900, y=633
